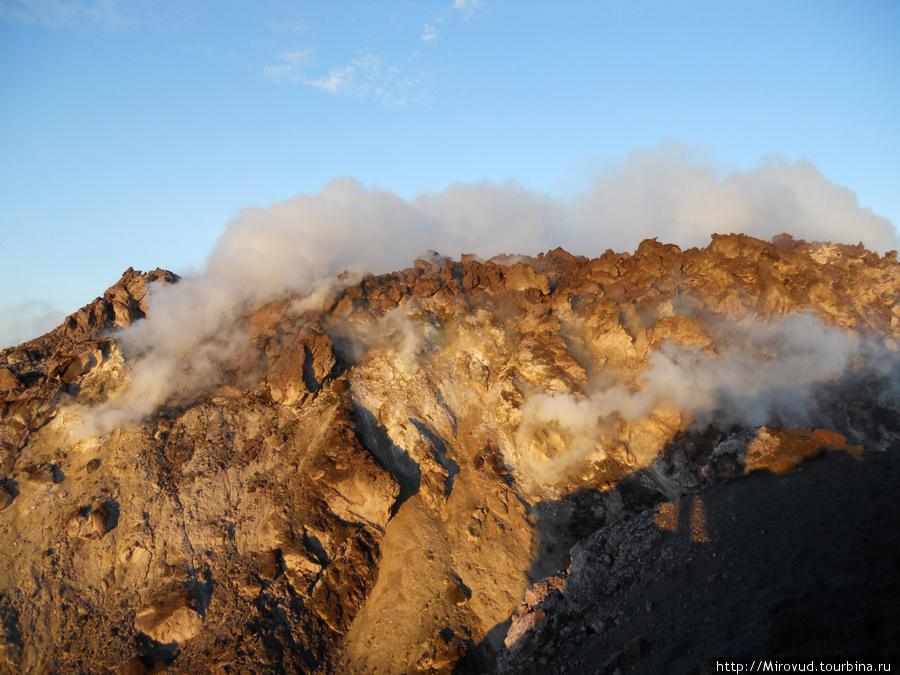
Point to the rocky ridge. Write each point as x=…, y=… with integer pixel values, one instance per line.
x=361, y=491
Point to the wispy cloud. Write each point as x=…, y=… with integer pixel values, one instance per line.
x=110, y=14
x=367, y=76
x=430, y=33
x=106, y=14
x=467, y=7
x=364, y=77
x=388, y=81
x=348, y=79
x=290, y=68
x=50, y=12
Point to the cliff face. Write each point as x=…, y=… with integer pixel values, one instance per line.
x=373, y=483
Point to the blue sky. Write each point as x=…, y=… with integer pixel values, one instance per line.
x=132, y=132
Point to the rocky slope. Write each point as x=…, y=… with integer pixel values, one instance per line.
x=783, y=563
x=375, y=481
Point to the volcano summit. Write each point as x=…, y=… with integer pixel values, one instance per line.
x=638, y=462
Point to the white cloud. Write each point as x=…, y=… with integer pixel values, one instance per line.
x=430, y=33
x=467, y=7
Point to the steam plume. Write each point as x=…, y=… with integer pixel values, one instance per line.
x=25, y=320
x=763, y=373
x=300, y=244
x=663, y=193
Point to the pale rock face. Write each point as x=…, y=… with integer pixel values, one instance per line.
x=169, y=619
x=374, y=484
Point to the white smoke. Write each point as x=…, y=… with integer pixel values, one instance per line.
x=299, y=245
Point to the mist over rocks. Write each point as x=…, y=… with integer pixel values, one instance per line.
x=366, y=473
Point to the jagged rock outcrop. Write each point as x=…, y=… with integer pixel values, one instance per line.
x=35, y=375
x=374, y=483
